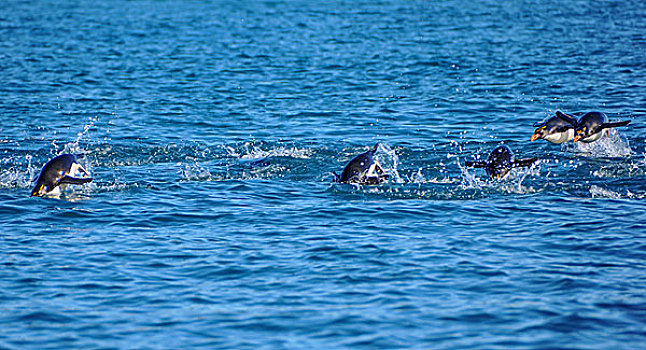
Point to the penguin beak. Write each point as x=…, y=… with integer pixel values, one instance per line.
x=37, y=191
x=576, y=138
x=534, y=137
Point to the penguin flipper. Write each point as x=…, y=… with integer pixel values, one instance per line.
x=519, y=163
x=566, y=118
x=615, y=124
x=564, y=128
x=256, y=163
x=478, y=164
x=75, y=180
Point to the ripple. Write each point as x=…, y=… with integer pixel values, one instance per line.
x=212, y=130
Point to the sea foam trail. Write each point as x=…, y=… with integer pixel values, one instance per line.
x=611, y=145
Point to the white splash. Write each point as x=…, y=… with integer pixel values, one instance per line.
x=389, y=161
x=511, y=183
x=195, y=172
x=250, y=150
x=599, y=192
x=611, y=145
x=16, y=176
x=74, y=146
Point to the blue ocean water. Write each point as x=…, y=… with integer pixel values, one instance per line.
x=211, y=129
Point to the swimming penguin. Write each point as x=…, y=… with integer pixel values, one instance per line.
x=554, y=130
x=363, y=169
x=500, y=161
x=60, y=171
x=591, y=127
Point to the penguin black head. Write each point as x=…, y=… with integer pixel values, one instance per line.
x=60, y=170
x=364, y=169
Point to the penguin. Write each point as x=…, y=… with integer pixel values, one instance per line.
x=58, y=172
x=500, y=161
x=554, y=130
x=363, y=169
x=591, y=127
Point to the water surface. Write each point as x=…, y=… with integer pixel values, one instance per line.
x=212, y=129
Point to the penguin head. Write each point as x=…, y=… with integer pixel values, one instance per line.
x=578, y=134
x=551, y=129
x=590, y=124
x=47, y=181
x=583, y=132
x=539, y=133
x=41, y=189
